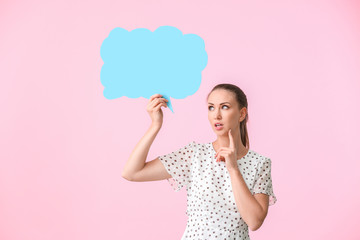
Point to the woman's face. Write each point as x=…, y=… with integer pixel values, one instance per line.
x=223, y=108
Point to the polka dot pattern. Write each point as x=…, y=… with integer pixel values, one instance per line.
x=178, y=164
x=263, y=183
x=211, y=208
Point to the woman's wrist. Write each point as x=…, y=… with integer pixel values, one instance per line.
x=155, y=126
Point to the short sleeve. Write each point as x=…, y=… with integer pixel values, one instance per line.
x=263, y=181
x=178, y=165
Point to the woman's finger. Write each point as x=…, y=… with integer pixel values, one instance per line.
x=231, y=139
x=157, y=96
x=154, y=96
x=222, y=154
x=159, y=103
x=159, y=106
x=150, y=103
x=222, y=148
x=220, y=158
x=155, y=102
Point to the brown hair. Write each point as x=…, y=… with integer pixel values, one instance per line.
x=242, y=102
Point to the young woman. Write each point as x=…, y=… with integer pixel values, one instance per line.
x=229, y=186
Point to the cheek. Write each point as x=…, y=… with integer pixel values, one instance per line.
x=231, y=117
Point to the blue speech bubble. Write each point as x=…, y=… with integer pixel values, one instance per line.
x=141, y=63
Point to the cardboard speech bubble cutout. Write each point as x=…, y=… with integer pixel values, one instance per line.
x=141, y=63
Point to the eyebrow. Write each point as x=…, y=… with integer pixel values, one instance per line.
x=220, y=103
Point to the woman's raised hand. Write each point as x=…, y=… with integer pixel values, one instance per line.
x=154, y=108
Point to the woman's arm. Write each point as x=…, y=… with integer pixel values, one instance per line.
x=252, y=208
x=137, y=159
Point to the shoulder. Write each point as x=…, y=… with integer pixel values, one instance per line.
x=199, y=147
x=258, y=158
x=198, y=144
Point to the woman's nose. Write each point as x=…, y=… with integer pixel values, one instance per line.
x=217, y=115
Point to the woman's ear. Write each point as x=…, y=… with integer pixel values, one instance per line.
x=243, y=113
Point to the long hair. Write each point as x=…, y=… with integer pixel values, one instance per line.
x=242, y=102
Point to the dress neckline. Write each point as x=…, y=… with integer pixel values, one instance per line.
x=213, y=149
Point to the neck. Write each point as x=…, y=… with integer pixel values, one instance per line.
x=224, y=141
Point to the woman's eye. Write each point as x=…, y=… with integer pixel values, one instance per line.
x=222, y=106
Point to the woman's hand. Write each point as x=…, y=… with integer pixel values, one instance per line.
x=229, y=154
x=154, y=109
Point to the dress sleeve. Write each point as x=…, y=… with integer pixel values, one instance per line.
x=178, y=165
x=263, y=181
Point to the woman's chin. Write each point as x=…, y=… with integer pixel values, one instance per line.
x=221, y=132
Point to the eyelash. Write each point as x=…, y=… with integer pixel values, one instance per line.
x=222, y=106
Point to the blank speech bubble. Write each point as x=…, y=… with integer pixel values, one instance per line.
x=141, y=63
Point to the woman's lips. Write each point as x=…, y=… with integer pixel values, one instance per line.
x=219, y=127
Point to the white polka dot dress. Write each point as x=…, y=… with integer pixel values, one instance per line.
x=211, y=208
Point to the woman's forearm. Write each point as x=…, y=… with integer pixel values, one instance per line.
x=248, y=207
x=137, y=159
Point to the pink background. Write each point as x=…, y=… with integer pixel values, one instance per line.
x=63, y=144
